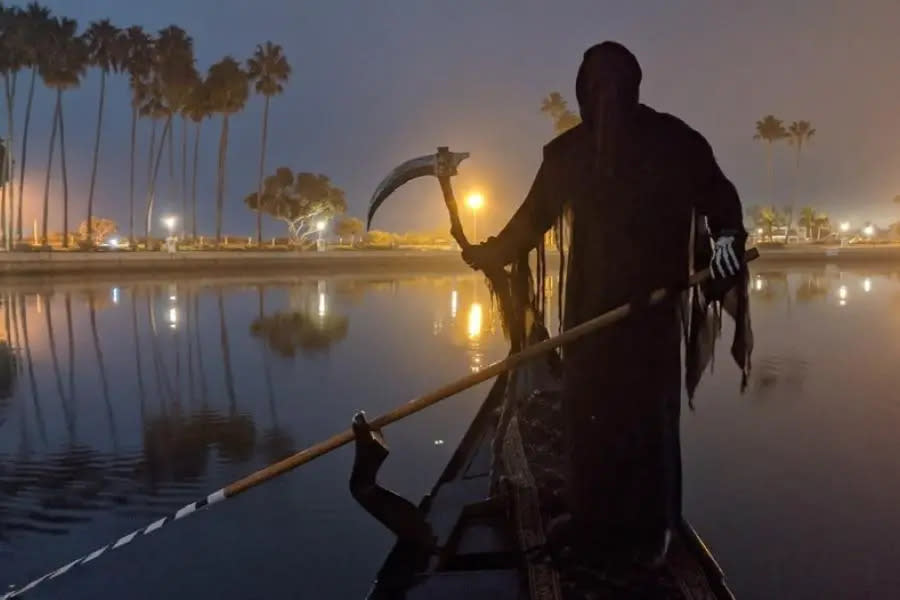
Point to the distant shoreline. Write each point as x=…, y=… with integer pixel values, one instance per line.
x=209, y=263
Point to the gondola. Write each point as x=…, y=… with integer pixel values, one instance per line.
x=470, y=539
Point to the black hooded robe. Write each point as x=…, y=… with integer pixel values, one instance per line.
x=622, y=385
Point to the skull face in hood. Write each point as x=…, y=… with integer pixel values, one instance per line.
x=607, y=89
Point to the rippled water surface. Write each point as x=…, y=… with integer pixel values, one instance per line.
x=120, y=401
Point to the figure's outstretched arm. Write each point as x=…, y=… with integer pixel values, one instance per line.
x=524, y=231
x=717, y=199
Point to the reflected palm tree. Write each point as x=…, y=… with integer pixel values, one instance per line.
x=813, y=287
x=8, y=367
x=189, y=339
x=142, y=392
x=226, y=355
x=204, y=395
x=104, y=382
x=768, y=286
x=35, y=395
x=163, y=384
x=67, y=413
x=73, y=402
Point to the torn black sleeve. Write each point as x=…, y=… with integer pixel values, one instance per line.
x=531, y=221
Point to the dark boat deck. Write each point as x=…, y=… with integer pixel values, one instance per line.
x=479, y=554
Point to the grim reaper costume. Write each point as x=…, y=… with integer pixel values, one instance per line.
x=634, y=180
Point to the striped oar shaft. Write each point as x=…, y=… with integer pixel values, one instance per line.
x=181, y=513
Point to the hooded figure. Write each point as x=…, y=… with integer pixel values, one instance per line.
x=633, y=180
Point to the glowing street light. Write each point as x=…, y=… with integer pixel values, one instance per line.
x=475, y=201
x=320, y=225
x=845, y=227
x=869, y=230
x=169, y=222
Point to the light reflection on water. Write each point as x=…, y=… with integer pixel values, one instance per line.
x=189, y=385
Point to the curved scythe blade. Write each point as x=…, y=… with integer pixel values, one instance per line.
x=411, y=169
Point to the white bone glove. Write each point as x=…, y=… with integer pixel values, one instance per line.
x=725, y=262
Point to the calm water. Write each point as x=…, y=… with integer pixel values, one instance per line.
x=127, y=400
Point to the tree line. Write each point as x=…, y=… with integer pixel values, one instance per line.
x=165, y=85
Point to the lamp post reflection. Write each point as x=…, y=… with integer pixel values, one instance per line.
x=473, y=331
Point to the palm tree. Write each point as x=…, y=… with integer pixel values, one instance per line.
x=12, y=60
x=808, y=219
x=35, y=22
x=229, y=89
x=104, y=47
x=770, y=130
x=197, y=109
x=799, y=132
x=268, y=69
x=767, y=218
x=64, y=65
x=138, y=61
x=173, y=78
x=556, y=107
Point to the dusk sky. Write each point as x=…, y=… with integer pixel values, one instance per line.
x=376, y=83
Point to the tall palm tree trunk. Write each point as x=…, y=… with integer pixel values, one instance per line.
x=24, y=155
x=220, y=187
x=44, y=214
x=184, y=213
x=134, y=116
x=90, y=206
x=194, y=182
x=9, y=84
x=259, y=185
x=151, y=191
x=171, y=187
x=3, y=233
x=150, y=151
x=65, y=178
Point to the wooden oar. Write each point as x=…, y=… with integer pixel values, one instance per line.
x=401, y=412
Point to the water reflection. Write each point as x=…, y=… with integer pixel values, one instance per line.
x=137, y=392
x=306, y=326
x=814, y=285
x=110, y=416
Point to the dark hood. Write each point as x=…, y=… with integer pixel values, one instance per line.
x=607, y=60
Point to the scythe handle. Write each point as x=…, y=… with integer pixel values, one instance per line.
x=456, y=229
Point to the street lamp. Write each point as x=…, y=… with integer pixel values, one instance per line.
x=169, y=222
x=869, y=230
x=475, y=201
x=320, y=227
x=845, y=227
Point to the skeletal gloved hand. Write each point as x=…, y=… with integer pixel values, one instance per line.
x=727, y=257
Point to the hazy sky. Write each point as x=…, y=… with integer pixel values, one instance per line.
x=375, y=83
